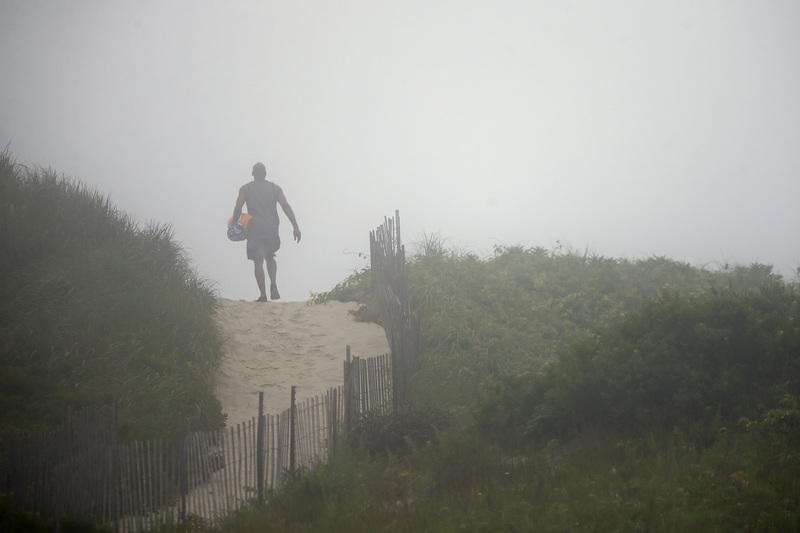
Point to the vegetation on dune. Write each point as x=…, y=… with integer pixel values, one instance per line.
x=695, y=365
x=606, y=395
x=398, y=434
x=95, y=309
x=483, y=319
x=599, y=484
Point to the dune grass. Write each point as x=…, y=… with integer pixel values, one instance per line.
x=485, y=318
x=97, y=309
x=598, y=483
x=588, y=394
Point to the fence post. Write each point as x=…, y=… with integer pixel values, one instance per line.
x=333, y=421
x=292, y=423
x=398, y=379
x=183, y=473
x=260, y=447
x=348, y=392
x=116, y=482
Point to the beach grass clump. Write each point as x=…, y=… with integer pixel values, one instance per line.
x=597, y=482
x=399, y=433
x=98, y=310
x=695, y=364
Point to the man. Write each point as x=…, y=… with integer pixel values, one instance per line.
x=262, y=197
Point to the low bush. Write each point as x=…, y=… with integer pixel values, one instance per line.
x=693, y=364
x=96, y=310
x=16, y=521
x=398, y=434
x=483, y=319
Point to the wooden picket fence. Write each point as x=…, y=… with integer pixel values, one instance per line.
x=392, y=294
x=79, y=469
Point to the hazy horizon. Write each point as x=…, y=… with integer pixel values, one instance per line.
x=628, y=129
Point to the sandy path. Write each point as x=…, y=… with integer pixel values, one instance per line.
x=272, y=346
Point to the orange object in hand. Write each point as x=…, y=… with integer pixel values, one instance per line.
x=244, y=220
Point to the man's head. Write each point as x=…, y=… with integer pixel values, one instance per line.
x=259, y=171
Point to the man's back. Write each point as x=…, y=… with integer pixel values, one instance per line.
x=262, y=205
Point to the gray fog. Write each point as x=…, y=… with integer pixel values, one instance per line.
x=626, y=128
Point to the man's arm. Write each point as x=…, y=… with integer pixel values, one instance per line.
x=242, y=198
x=288, y=210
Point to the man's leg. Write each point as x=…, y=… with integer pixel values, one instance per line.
x=258, y=268
x=272, y=270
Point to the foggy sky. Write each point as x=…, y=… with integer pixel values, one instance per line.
x=630, y=129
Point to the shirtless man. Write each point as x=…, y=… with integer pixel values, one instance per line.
x=262, y=197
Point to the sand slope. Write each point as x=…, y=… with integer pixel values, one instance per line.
x=271, y=346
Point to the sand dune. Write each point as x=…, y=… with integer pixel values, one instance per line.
x=271, y=346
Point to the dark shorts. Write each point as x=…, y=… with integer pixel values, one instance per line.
x=260, y=249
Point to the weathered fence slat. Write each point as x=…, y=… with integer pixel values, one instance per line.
x=243, y=470
x=260, y=449
x=234, y=466
x=209, y=488
x=193, y=499
x=226, y=460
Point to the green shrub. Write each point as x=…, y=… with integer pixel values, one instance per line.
x=82, y=524
x=695, y=364
x=483, y=319
x=15, y=521
x=398, y=434
x=95, y=309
